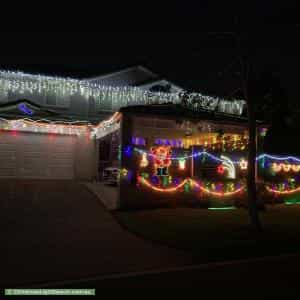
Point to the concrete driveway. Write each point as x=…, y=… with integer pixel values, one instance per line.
x=58, y=230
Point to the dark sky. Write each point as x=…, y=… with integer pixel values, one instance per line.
x=192, y=54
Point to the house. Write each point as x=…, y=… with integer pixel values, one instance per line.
x=57, y=128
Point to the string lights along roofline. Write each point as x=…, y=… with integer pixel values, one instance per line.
x=108, y=96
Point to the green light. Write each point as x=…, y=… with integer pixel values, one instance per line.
x=291, y=202
x=222, y=208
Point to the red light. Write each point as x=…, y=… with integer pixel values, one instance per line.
x=14, y=132
x=220, y=169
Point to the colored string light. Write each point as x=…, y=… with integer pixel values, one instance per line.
x=286, y=192
x=222, y=208
x=193, y=183
x=285, y=167
x=292, y=202
x=158, y=189
x=204, y=153
x=62, y=127
x=278, y=158
x=218, y=194
x=196, y=154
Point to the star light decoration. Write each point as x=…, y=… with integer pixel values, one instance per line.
x=243, y=164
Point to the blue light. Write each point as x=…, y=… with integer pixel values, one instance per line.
x=24, y=109
x=206, y=154
x=128, y=151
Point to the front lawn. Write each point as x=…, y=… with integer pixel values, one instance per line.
x=211, y=235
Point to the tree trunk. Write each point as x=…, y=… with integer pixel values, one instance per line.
x=251, y=176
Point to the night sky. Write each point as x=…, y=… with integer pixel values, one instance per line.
x=197, y=58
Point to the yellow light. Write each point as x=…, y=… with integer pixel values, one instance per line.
x=296, y=168
x=181, y=163
x=193, y=183
x=285, y=167
x=166, y=190
x=218, y=194
x=276, y=167
x=124, y=172
x=243, y=164
x=144, y=161
x=282, y=192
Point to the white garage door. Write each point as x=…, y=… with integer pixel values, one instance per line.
x=32, y=155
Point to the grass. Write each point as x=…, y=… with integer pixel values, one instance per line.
x=214, y=235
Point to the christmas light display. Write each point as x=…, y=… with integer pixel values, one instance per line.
x=278, y=158
x=107, y=97
x=282, y=192
x=229, y=166
x=62, y=127
x=243, y=164
x=176, y=143
x=218, y=159
x=162, y=161
x=107, y=126
x=192, y=183
x=158, y=189
x=144, y=161
x=194, y=155
x=292, y=202
x=45, y=126
x=138, y=141
x=181, y=164
x=222, y=208
x=24, y=109
x=276, y=167
x=220, y=169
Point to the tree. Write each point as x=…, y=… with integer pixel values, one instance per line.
x=243, y=54
x=252, y=147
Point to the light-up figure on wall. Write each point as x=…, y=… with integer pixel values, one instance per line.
x=229, y=166
x=162, y=159
x=243, y=164
x=144, y=161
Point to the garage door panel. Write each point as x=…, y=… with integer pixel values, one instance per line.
x=60, y=172
x=6, y=172
x=7, y=161
x=30, y=155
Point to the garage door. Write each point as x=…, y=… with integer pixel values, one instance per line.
x=31, y=155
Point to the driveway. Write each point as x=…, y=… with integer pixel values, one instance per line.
x=58, y=230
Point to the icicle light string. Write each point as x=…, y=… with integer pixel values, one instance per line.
x=110, y=98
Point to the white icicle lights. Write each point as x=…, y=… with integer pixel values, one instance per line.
x=106, y=97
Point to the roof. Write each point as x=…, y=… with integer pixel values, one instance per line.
x=178, y=111
x=132, y=76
